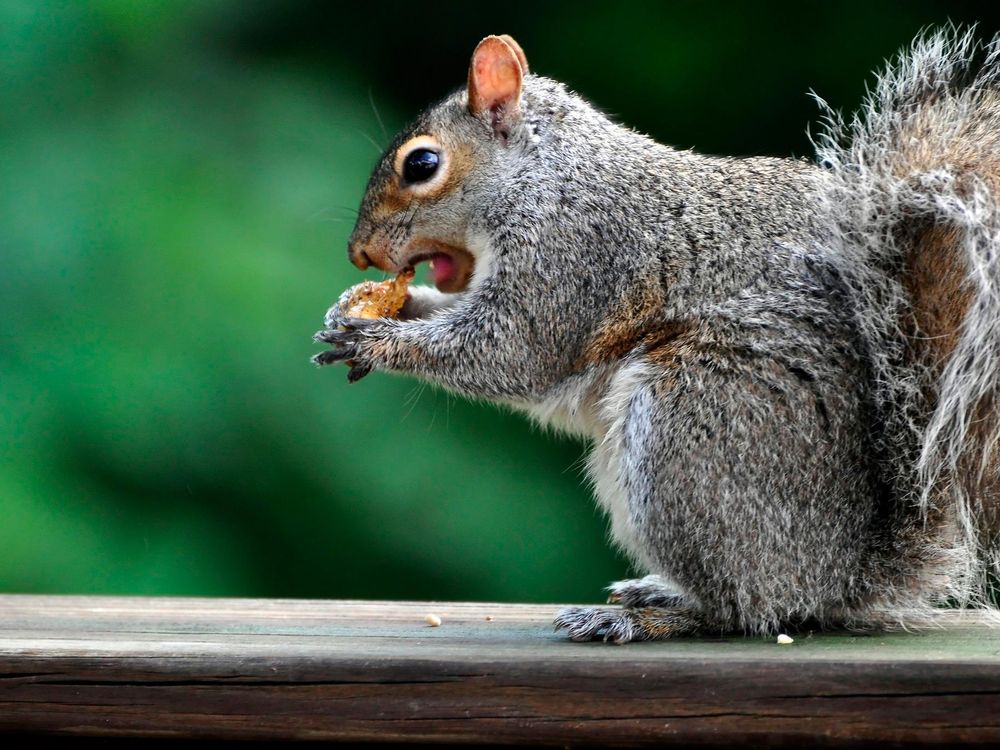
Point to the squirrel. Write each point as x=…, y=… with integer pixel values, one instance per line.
x=788, y=370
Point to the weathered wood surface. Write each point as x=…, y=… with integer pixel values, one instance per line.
x=491, y=673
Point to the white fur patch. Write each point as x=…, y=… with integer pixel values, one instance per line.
x=479, y=244
x=572, y=407
x=607, y=463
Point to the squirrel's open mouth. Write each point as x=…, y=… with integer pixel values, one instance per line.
x=451, y=267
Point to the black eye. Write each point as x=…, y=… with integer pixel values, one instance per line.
x=420, y=165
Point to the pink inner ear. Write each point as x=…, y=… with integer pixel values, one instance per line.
x=495, y=79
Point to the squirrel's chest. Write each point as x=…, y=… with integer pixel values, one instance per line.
x=574, y=406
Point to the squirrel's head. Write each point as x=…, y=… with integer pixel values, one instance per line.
x=420, y=197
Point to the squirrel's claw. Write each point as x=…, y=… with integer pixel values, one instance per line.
x=334, y=336
x=335, y=324
x=343, y=353
x=357, y=372
x=332, y=356
x=344, y=335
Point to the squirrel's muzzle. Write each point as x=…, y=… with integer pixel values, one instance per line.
x=366, y=248
x=369, y=250
x=451, y=265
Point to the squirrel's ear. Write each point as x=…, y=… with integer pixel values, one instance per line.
x=495, y=76
x=517, y=51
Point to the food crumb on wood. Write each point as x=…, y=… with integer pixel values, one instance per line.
x=784, y=640
x=432, y=620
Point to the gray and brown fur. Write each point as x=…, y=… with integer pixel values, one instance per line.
x=788, y=371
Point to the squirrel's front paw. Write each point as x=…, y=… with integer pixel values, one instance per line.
x=347, y=337
x=337, y=316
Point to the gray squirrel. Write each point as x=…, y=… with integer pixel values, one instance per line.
x=787, y=371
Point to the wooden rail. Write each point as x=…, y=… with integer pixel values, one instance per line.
x=228, y=669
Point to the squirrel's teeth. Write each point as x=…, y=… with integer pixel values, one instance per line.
x=431, y=265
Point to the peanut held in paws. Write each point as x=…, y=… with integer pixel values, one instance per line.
x=365, y=302
x=379, y=299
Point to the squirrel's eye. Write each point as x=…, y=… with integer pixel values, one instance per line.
x=420, y=165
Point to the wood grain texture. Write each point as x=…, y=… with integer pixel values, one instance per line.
x=338, y=670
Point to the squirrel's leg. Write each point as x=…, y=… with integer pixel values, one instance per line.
x=741, y=480
x=747, y=482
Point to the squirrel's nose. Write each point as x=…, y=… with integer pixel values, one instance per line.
x=358, y=256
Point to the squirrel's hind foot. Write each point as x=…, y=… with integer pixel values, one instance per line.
x=625, y=625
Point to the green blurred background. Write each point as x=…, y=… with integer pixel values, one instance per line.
x=177, y=183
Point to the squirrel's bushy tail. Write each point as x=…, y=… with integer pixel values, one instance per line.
x=914, y=195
